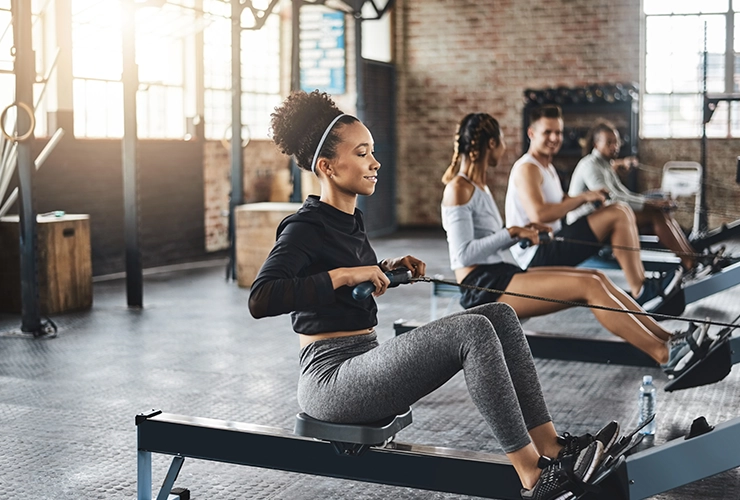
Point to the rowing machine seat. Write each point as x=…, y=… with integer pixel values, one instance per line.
x=372, y=433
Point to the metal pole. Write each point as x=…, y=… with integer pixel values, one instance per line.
x=200, y=86
x=295, y=84
x=359, y=70
x=703, y=201
x=130, y=80
x=237, y=175
x=25, y=73
x=359, y=76
x=295, y=50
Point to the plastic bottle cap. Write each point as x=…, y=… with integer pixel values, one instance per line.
x=647, y=379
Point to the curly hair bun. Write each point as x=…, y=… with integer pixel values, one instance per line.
x=299, y=122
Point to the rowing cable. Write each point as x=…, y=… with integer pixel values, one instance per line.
x=428, y=279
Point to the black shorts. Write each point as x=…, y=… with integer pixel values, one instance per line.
x=563, y=253
x=496, y=276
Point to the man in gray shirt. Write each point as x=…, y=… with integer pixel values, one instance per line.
x=598, y=170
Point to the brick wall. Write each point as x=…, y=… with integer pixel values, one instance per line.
x=461, y=56
x=266, y=178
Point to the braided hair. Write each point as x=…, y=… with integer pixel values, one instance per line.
x=299, y=122
x=471, y=139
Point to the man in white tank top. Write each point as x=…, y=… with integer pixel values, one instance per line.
x=534, y=194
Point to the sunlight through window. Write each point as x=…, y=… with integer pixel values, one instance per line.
x=672, y=103
x=166, y=37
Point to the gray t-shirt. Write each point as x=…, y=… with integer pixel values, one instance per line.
x=595, y=172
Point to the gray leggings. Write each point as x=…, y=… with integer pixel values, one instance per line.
x=356, y=379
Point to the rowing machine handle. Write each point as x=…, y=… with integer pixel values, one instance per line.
x=397, y=276
x=544, y=238
x=598, y=204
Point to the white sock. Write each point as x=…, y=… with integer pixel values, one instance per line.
x=642, y=289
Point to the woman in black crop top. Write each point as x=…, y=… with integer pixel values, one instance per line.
x=322, y=251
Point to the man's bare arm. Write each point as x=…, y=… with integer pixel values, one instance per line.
x=528, y=181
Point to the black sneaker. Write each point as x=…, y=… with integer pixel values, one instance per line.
x=657, y=290
x=555, y=482
x=561, y=479
x=573, y=445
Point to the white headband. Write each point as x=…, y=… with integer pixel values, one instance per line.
x=321, y=142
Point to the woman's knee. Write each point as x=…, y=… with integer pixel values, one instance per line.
x=469, y=329
x=595, y=283
x=599, y=275
x=494, y=310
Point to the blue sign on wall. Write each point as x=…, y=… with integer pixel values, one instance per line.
x=322, y=51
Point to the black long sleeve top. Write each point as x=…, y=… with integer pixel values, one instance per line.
x=295, y=276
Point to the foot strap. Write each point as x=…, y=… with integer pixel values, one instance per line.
x=712, y=367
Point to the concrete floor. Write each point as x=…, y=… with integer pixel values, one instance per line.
x=67, y=404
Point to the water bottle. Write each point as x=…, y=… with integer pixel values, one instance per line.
x=647, y=404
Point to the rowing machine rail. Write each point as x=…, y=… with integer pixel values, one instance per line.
x=643, y=474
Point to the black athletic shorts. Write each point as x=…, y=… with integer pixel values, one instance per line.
x=563, y=253
x=496, y=276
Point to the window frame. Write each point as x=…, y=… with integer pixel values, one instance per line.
x=731, y=112
x=150, y=106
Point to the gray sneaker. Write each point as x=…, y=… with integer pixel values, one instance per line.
x=682, y=345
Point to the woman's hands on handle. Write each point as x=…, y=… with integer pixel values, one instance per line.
x=417, y=267
x=352, y=276
x=529, y=234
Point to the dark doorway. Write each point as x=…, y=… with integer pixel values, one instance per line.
x=379, y=83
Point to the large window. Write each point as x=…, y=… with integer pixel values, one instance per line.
x=260, y=54
x=97, y=67
x=7, y=80
x=166, y=39
x=676, y=33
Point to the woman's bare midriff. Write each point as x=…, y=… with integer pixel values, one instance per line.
x=462, y=272
x=307, y=339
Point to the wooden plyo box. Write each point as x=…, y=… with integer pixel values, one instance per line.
x=64, y=264
x=256, y=224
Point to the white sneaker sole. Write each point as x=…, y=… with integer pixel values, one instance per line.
x=673, y=284
x=594, y=463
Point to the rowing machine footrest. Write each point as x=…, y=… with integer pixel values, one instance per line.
x=713, y=367
x=698, y=427
x=371, y=434
x=673, y=306
x=179, y=494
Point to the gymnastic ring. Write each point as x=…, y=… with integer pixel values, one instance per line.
x=226, y=143
x=25, y=107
